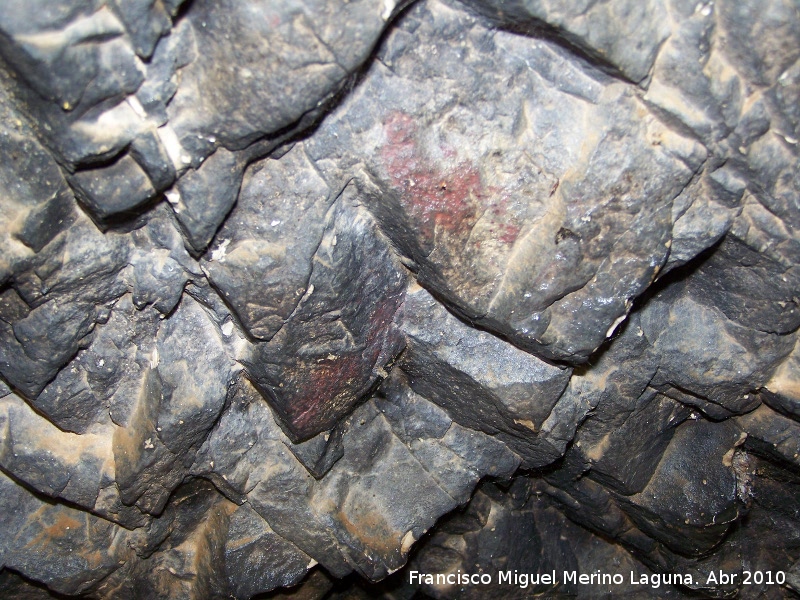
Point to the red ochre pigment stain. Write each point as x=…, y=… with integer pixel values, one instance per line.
x=432, y=198
x=436, y=200
x=507, y=233
x=327, y=392
x=325, y=383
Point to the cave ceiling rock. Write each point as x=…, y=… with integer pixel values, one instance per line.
x=282, y=284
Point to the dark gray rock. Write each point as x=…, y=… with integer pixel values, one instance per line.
x=703, y=213
x=150, y=154
x=102, y=381
x=622, y=35
x=203, y=198
x=781, y=392
x=722, y=381
x=161, y=267
x=71, y=70
x=495, y=200
x=388, y=448
x=520, y=533
x=176, y=407
x=170, y=55
x=110, y=190
x=191, y=398
x=76, y=468
x=264, y=65
x=73, y=56
x=626, y=443
x=334, y=347
x=257, y=559
x=321, y=452
x=276, y=253
x=145, y=21
x=771, y=435
x=694, y=516
x=749, y=288
x=483, y=382
x=181, y=555
x=63, y=305
x=36, y=202
x=68, y=550
x=357, y=287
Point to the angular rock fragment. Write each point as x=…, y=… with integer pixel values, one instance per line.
x=353, y=289
x=626, y=446
x=455, y=456
x=176, y=407
x=626, y=43
x=275, y=251
x=145, y=20
x=71, y=55
x=120, y=187
x=692, y=517
x=35, y=201
x=321, y=452
x=483, y=382
x=265, y=64
x=771, y=435
x=524, y=222
x=161, y=265
x=396, y=471
x=749, y=287
x=703, y=213
x=334, y=347
x=101, y=383
x=68, y=550
x=71, y=70
x=257, y=559
x=720, y=383
x=180, y=555
x=204, y=197
x=520, y=539
x=78, y=469
x=782, y=392
x=63, y=304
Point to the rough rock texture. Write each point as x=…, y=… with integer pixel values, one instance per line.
x=312, y=295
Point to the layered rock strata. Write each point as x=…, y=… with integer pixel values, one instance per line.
x=317, y=294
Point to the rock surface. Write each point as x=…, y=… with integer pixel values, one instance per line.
x=298, y=298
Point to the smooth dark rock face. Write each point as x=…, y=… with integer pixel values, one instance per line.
x=298, y=297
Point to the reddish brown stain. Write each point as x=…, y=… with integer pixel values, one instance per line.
x=327, y=390
x=502, y=229
x=274, y=20
x=431, y=197
x=436, y=200
x=508, y=234
x=62, y=525
x=325, y=382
